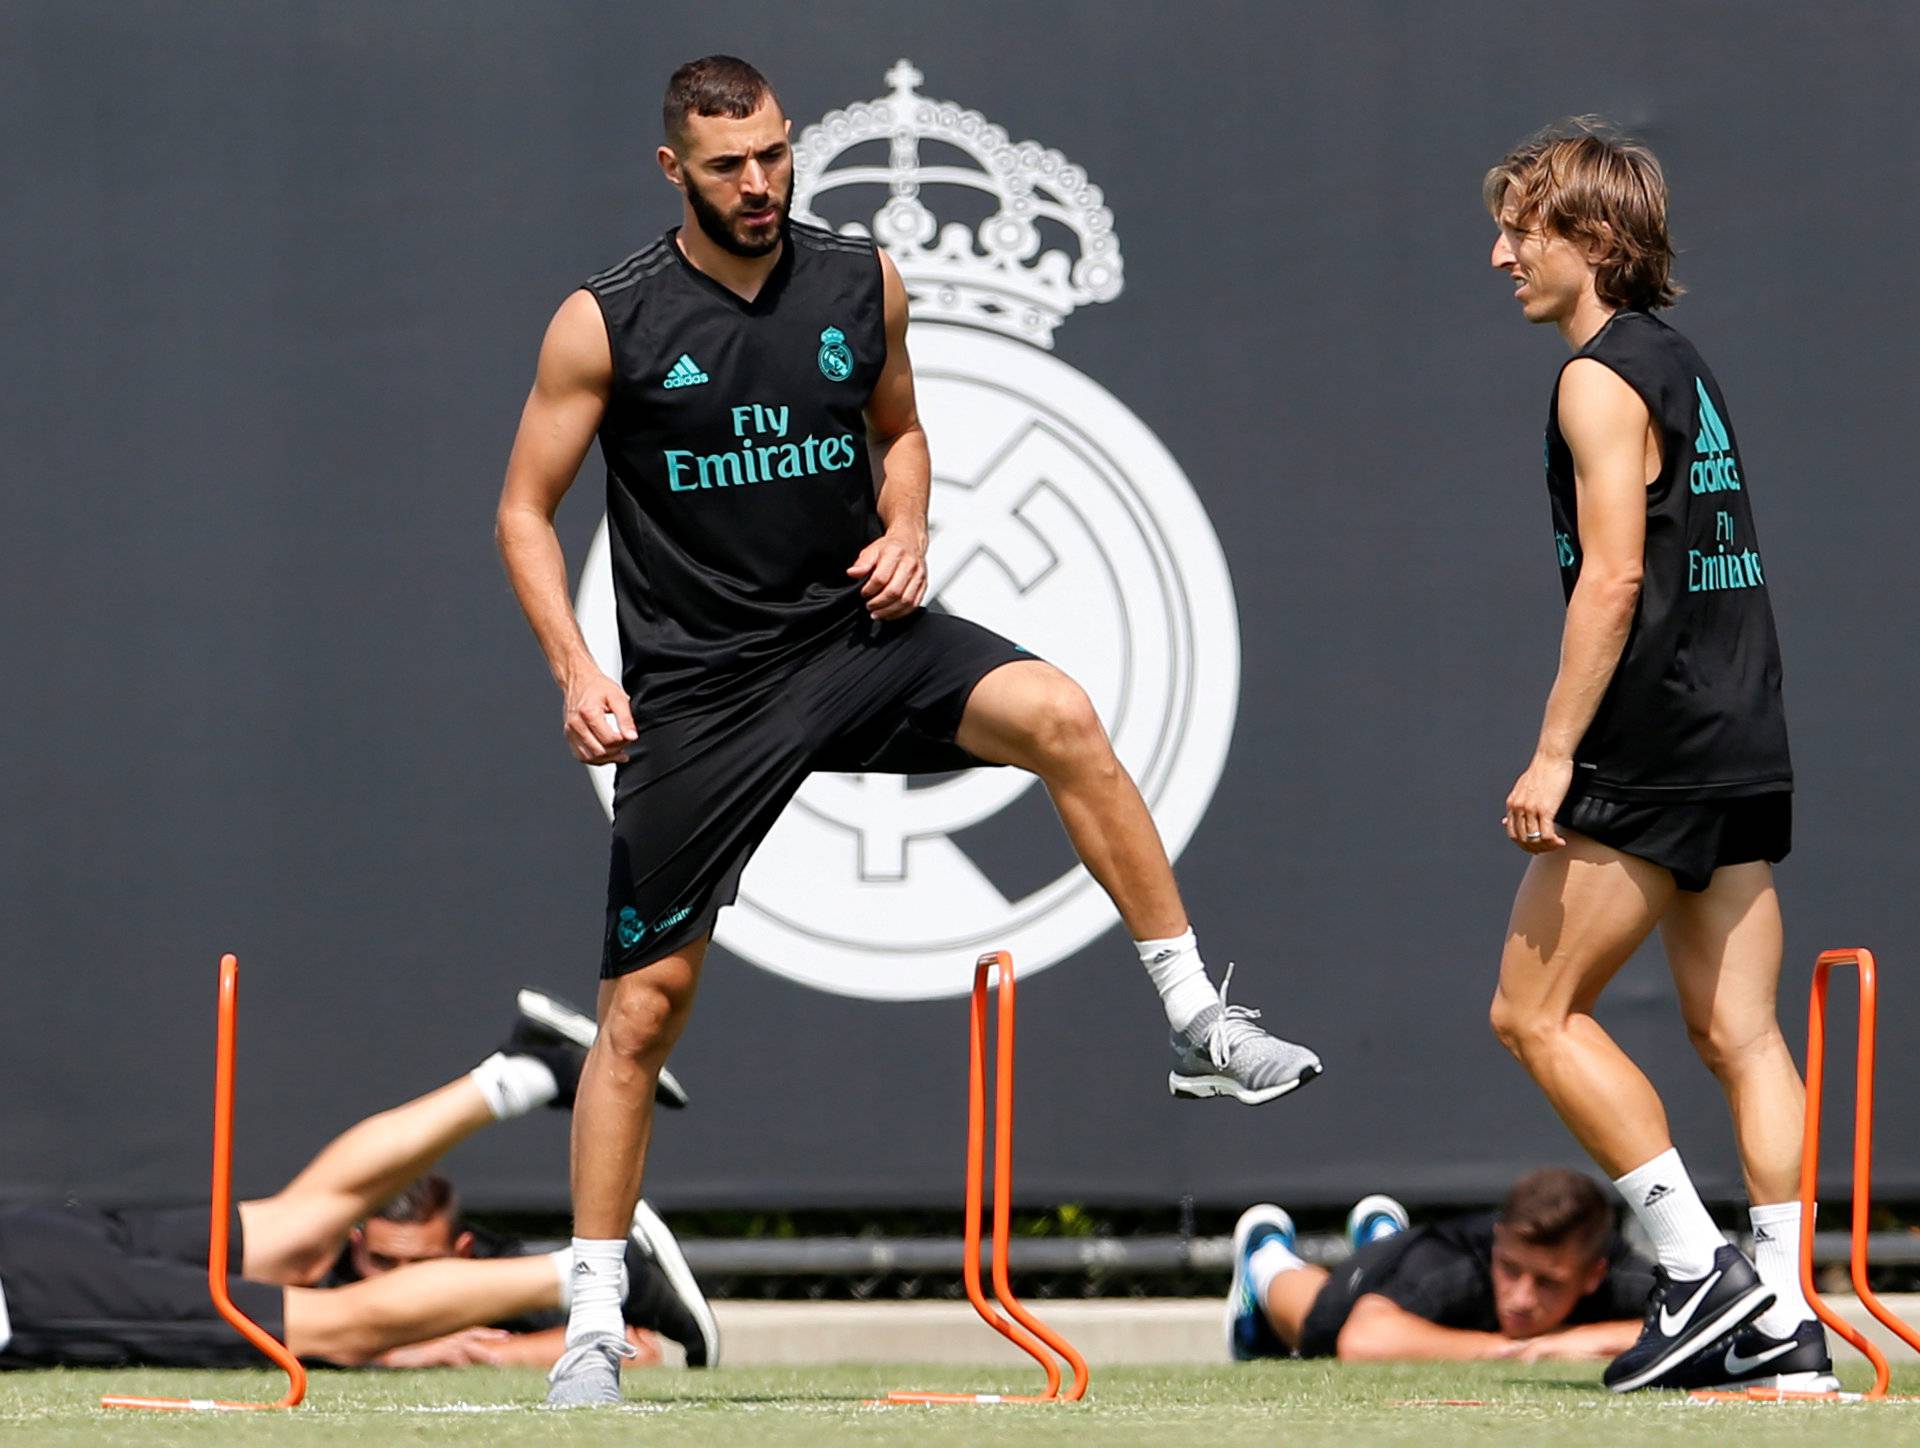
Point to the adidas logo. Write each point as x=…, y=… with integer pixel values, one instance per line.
x=1660, y=1189
x=685, y=373
x=1761, y=1234
x=1715, y=469
x=583, y=1265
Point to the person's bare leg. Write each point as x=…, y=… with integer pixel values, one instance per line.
x=1724, y=946
x=1580, y=912
x=413, y=1303
x=294, y=1235
x=641, y=1015
x=1290, y=1297
x=1031, y=715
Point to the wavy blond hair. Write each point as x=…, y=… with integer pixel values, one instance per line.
x=1581, y=180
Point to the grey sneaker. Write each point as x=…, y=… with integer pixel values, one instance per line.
x=1223, y=1053
x=588, y=1376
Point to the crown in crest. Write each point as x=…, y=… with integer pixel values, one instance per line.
x=998, y=275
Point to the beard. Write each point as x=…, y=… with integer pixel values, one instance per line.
x=721, y=229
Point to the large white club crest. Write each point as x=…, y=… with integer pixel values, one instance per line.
x=1058, y=520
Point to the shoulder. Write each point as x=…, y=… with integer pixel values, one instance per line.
x=628, y=274
x=812, y=240
x=1594, y=393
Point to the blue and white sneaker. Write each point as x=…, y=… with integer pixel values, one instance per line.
x=1249, y=1334
x=1374, y=1219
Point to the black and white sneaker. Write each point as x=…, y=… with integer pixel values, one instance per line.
x=548, y=1019
x=662, y=1295
x=1752, y=1358
x=1684, y=1315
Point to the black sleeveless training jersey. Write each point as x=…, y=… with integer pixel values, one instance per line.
x=739, y=489
x=1693, y=711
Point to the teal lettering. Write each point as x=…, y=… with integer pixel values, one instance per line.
x=746, y=452
x=766, y=463
x=714, y=466
x=675, y=463
x=1715, y=475
x=808, y=444
x=790, y=461
x=742, y=416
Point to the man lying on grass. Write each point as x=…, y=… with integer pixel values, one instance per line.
x=1547, y=1276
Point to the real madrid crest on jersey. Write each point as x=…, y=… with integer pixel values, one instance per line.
x=836, y=358
x=1058, y=520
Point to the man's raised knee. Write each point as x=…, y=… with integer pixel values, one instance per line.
x=1065, y=729
x=638, y=1019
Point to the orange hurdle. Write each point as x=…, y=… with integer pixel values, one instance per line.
x=222, y=1209
x=1024, y=1330
x=1862, y=1177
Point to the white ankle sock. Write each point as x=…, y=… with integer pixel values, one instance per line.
x=1177, y=972
x=1661, y=1195
x=561, y=1260
x=1269, y=1260
x=514, y=1085
x=599, y=1287
x=1776, y=1253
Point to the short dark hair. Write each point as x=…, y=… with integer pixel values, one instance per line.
x=1583, y=180
x=1555, y=1207
x=420, y=1201
x=714, y=85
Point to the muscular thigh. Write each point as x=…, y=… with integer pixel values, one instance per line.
x=1579, y=913
x=1723, y=946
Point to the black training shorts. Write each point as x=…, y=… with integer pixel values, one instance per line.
x=700, y=790
x=85, y=1287
x=1691, y=838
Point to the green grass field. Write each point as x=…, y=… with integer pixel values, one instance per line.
x=1269, y=1404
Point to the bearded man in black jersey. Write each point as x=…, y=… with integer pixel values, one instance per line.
x=1659, y=793
x=738, y=374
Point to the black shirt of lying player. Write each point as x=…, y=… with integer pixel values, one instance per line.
x=1444, y=1273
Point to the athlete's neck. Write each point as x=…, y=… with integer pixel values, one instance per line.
x=1588, y=316
x=741, y=275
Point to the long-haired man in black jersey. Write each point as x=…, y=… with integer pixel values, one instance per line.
x=1659, y=792
x=768, y=589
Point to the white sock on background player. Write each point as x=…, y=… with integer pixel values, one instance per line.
x=514, y=1085
x=561, y=1259
x=1177, y=972
x=1776, y=1256
x=599, y=1286
x=1662, y=1197
x=1271, y=1259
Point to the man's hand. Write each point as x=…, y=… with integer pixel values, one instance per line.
x=1535, y=799
x=466, y=1348
x=894, y=566
x=598, y=720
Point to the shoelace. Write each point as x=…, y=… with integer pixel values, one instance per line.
x=599, y=1342
x=1234, y=1026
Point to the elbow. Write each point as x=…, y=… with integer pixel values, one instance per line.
x=1360, y=1342
x=1616, y=587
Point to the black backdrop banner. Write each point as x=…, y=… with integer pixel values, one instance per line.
x=1230, y=417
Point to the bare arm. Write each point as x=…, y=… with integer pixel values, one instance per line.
x=569, y=397
x=1605, y=424
x=1381, y=1330
x=894, y=565
x=1586, y=1343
